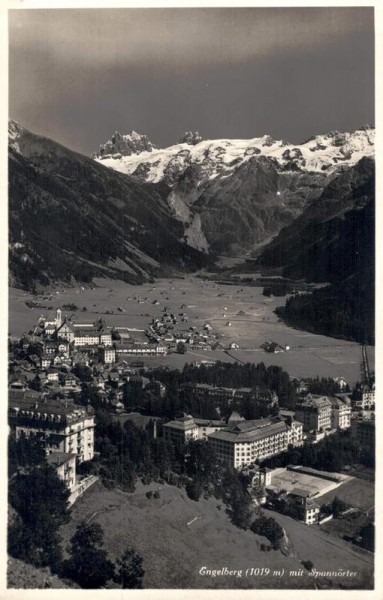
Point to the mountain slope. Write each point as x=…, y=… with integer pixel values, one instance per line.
x=333, y=241
x=334, y=236
x=233, y=194
x=70, y=216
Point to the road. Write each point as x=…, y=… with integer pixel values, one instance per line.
x=324, y=551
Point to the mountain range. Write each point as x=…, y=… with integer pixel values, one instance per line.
x=232, y=195
x=134, y=211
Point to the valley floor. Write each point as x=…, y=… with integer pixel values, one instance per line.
x=250, y=314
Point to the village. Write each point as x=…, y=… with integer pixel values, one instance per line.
x=56, y=371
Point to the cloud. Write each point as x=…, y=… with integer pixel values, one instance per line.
x=178, y=39
x=77, y=75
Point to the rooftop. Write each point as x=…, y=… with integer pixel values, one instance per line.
x=301, y=493
x=59, y=458
x=86, y=332
x=314, y=401
x=250, y=434
x=47, y=406
x=184, y=424
x=338, y=403
x=18, y=394
x=316, y=482
x=209, y=423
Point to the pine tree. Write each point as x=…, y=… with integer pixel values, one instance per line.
x=41, y=501
x=89, y=565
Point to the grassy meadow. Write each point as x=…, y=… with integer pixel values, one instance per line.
x=237, y=314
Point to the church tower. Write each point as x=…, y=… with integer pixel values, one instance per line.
x=58, y=318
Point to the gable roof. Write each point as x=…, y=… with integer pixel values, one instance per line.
x=57, y=459
x=66, y=326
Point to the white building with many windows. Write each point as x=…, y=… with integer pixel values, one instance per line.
x=365, y=399
x=181, y=430
x=340, y=414
x=243, y=442
x=315, y=413
x=62, y=425
x=107, y=354
x=187, y=427
x=86, y=337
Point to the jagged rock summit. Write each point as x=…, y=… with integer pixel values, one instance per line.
x=135, y=155
x=124, y=145
x=191, y=137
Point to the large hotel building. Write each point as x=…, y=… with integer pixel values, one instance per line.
x=242, y=442
x=238, y=443
x=63, y=426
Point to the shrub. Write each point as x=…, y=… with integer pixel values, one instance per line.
x=181, y=348
x=70, y=306
x=241, y=512
x=270, y=529
x=193, y=490
x=130, y=571
x=338, y=506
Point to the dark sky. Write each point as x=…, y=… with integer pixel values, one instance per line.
x=79, y=75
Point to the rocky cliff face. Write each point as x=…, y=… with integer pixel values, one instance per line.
x=243, y=191
x=252, y=204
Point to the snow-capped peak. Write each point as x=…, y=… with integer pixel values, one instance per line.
x=14, y=132
x=320, y=153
